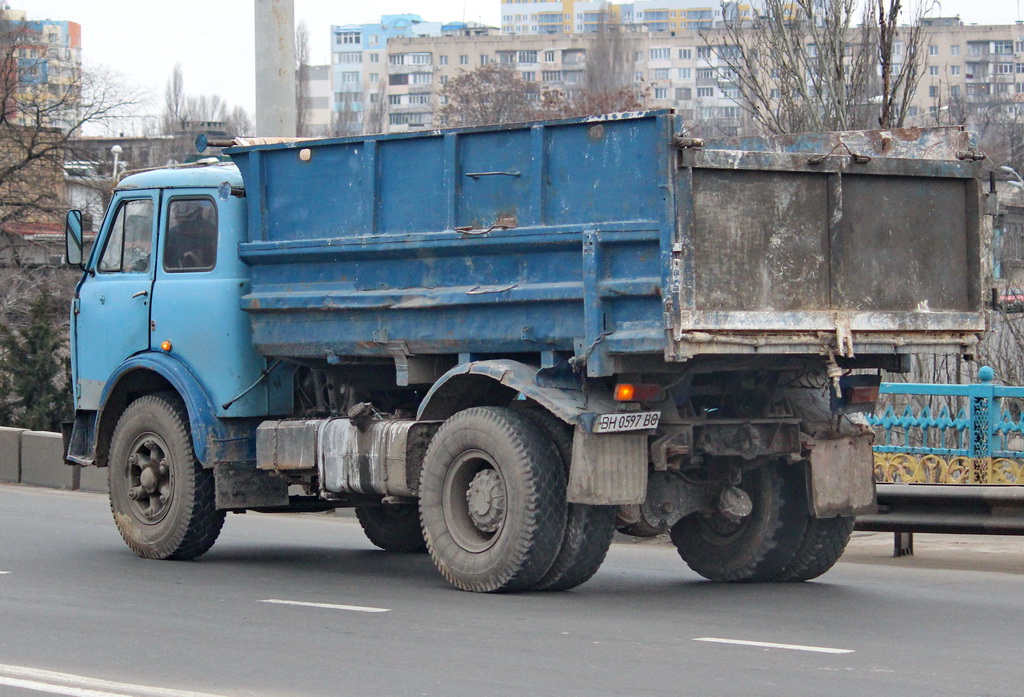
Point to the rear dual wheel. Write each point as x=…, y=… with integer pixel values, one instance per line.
x=780, y=541
x=492, y=501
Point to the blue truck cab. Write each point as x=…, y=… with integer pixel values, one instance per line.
x=502, y=344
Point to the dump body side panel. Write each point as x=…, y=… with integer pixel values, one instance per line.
x=516, y=239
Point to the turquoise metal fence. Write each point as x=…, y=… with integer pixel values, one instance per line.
x=983, y=443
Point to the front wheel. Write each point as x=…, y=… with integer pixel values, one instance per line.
x=492, y=500
x=760, y=546
x=162, y=499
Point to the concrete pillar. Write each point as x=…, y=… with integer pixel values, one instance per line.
x=275, y=68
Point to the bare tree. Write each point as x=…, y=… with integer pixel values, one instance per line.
x=802, y=65
x=38, y=121
x=176, y=108
x=303, y=97
x=490, y=94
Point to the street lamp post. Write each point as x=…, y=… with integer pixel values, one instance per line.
x=116, y=150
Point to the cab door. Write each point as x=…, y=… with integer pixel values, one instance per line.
x=112, y=304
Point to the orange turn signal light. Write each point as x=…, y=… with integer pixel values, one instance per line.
x=631, y=392
x=165, y=345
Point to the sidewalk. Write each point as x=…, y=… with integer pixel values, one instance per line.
x=992, y=553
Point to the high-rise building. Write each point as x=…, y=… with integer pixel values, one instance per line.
x=586, y=16
x=42, y=60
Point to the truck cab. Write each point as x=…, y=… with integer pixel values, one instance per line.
x=159, y=302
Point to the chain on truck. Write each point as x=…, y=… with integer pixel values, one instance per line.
x=502, y=344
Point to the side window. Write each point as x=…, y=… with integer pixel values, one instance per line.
x=191, y=243
x=130, y=241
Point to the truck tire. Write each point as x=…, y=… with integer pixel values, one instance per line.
x=161, y=497
x=589, y=529
x=393, y=528
x=823, y=543
x=759, y=547
x=492, y=501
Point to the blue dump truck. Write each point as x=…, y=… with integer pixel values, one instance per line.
x=502, y=344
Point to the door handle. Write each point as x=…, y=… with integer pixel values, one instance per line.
x=141, y=294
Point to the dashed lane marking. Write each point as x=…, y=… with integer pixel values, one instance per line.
x=327, y=606
x=70, y=685
x=773, y=645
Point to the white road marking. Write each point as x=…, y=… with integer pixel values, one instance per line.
x=4, y=572
x=80, y=686
x=328, y=606
x=772, y=645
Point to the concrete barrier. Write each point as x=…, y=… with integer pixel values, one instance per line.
x=92, y=479
x=10, y=454
x=42, y=461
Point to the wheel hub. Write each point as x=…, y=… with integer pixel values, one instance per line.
x=486, y=499
x=149, y=480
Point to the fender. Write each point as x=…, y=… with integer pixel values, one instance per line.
x=502, y=379
x=214, y=440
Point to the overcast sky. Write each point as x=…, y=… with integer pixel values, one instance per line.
x=213, y=39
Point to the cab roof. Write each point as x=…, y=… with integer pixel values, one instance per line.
x=189, y=176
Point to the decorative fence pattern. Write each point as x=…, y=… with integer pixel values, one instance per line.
x=982, y=444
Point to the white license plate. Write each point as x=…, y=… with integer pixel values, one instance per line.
x=632, y=421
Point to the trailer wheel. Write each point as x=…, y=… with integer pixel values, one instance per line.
x=492, y=500
x=393, y=528
x=823, y=543
x=589, y=529
x=760, y=546
x=161, y=497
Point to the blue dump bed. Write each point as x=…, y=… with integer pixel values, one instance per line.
x=610, y=237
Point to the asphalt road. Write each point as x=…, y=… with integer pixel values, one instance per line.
x=81, y=615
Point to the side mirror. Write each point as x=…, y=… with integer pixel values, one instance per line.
x=73, y=238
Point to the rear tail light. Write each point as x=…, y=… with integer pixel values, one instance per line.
x=635, y=392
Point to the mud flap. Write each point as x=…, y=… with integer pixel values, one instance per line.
x=608, y=468
x=842, y=476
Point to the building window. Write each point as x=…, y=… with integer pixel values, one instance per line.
x=444, y=80
x=954, y=70
x=374, y=77
x=1002, y=48
x=638, y=76
x=394, y=99
x=661, y=74
x=685, y=73
x=683, y=94
x=375, y=58
x=661, y=93
x=705, y=92
x=529, y=76
x=444, y=60
x=933, y=50
x=660, y=54
x=703, y=53
x=551, y=75
x=483, y=60
x=549, y=56
x=1004, y=68
x=954, y=50
x=350, y=57
x=348, y=37
x=933, y=70
x=463, y=60
x=685, y=54
x=954, y=90
x=933, y=91
x=528, y=57
x=349, y=78
x=706, y=74
x=730, y=112
x=420, y=78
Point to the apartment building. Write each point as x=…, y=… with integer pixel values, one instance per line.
x=45, y=56
x=587, y=16
x=969, y=69
x=360, y=61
